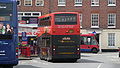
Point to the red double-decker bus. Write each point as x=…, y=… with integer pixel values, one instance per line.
x=59, y=36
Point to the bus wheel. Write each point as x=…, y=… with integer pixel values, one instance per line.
x=49, y=59
x=74, y=60
x=41, y=57
x=94, y=50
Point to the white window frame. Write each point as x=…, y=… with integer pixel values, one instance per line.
x=19, y=2
x=94, y=22
x=23, y=14
x=36, y=15
x=95, y=2
x=113, y=3
x=78, y=2
x=111, y=39
x=61, y=3
x=28, y=15
x=20, y=14
x=112, y=18
x=80, y=20
x=41, y=4
x=27, y=5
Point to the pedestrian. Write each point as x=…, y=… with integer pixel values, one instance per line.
x=9, y=29
x=2, y=28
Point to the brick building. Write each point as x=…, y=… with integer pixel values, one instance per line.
x=28, y=11
x=101, y=16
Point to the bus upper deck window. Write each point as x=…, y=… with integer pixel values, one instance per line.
x=6, y=11
x=65, y=19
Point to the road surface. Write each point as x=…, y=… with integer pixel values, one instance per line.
x=88, y=60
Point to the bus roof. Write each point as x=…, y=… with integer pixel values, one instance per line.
x=7, y=0
x=87, y=34
x=47, y=15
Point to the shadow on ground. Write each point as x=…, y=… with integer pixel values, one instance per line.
x=84, y=56
x=79, y=61
x=26, y=66
x=88, y=61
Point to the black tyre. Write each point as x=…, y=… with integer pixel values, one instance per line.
x=94, y=50
x=74, y=60
x=41, y=57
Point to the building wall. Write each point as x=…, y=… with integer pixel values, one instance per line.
x=44, y=9
x=86, y=9
x=104, y=38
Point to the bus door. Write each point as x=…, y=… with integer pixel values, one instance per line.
x=7, y=48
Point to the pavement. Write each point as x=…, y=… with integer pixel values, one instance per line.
x=88, y=60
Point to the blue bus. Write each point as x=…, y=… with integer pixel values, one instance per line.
x=8, y=33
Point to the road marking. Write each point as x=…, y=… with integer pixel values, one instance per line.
x=23, y=62
x=99, y=65
x=35, y=61
x=43, y=62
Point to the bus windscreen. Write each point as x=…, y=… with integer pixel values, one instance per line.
x=65, y=19
x=88, y=40
x=5, y=11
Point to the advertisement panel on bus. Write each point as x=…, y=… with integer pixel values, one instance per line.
x=8, y=33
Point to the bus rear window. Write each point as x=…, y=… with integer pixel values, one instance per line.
x=5, y=11
x=5, y=37
x=65, y=19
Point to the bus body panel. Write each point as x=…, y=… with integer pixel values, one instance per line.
x=65, y=46
x=66, y=30
x=60, y=29
x=88, y=46
x=6, y=50
x=10, y=63
x=8, y=45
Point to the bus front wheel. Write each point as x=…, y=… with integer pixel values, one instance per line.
x=41, y=57
x=94, y=50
